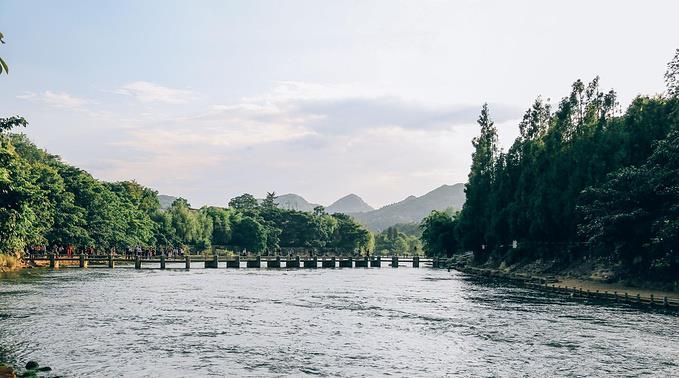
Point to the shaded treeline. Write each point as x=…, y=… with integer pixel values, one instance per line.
x=582, y=180
x=44, y=201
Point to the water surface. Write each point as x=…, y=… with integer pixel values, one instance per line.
x=341, y=322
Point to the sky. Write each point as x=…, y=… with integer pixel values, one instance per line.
x=211, y=99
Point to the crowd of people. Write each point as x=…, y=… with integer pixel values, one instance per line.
x=129, y=252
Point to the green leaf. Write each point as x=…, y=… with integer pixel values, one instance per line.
x=3, y=65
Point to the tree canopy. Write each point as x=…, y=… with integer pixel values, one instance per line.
x=44, y=201
x=582, y=180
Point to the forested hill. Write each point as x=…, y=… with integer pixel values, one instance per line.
x=413, y=209
x=294, y=202
x=584, y=181
x=349, y=204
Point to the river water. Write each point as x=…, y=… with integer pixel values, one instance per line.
x=328, y=322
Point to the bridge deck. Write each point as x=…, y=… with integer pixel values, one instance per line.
x=234, y=262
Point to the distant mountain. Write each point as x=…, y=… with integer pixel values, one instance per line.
x=165, y=201
x=349, y=204
x=413, y=209
x=294, y=202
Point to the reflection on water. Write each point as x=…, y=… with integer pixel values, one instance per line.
x=342, y=322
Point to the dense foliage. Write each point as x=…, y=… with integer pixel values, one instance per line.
x=580, y=181
x=394, y=240
x=44, y=201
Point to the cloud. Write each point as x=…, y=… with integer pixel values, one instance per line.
x=56, y=99
x=344, y=108
x=145, y=91
x=294, y=137
x=347, y=114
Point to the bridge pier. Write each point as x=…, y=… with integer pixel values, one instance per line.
x=328, y=263
x=83, y=261
x=187, y=261
x=347, y=263
x=362, y=263
x=274, y=264
x=394, y=261
x=313, y=263
x=212, y=264
x=233, y=263
x=257, y=263
x=376, y=262
x=162, y=261
x=416, y=261
x=294, y=263
x=137, y=262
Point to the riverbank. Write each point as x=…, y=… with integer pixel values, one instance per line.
x=587, y=280
x=10, y=263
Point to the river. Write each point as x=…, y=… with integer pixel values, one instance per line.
x=328, y=322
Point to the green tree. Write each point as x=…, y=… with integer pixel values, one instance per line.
x=269, y=202
x=478, y=187
x=221, y=225
x=244, y=202
x=350, y=236
x=439, y=234
x=249, y=234
x=671, y=76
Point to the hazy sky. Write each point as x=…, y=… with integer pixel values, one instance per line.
x=210, y=99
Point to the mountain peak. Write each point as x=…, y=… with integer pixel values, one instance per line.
x=413, y=209
x=350, y=203
x=293, y=201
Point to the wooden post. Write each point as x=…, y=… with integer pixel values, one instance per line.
x=416, y=261
x=111, y=264
x=137, y=262
x=83, y=261
x=394, y=261
x=665, y=302
x=187, y=261
x=53, y=263
x=162, y=261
